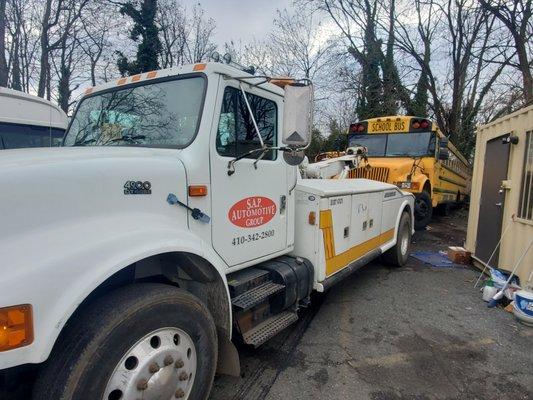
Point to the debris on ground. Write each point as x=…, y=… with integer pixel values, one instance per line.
x=459, y=255
x=435, y=259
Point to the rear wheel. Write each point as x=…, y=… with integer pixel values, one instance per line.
x=423, y=210
x=399, y=254
x=444, y=209
x=149, y=341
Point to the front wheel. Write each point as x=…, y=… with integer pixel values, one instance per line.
x=398, y=255
x=143, y=341
x=423, y=210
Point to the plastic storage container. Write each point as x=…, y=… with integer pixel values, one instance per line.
x=523, y=306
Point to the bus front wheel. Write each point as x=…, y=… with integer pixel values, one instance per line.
x=423, y=210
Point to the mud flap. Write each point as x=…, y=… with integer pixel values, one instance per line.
x=228, y=357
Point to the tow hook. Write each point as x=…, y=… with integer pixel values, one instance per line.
x=196, y=213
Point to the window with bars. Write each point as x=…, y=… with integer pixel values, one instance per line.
x=525, y=209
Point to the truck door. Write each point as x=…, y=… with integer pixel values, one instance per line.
x=249, y=218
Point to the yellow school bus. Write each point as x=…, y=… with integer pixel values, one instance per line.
x=412, y=153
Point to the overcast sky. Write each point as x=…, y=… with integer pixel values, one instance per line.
x=242, y=19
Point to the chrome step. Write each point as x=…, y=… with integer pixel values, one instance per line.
x=269, y=328
x=256, y=295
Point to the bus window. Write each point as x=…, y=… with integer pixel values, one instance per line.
x=416, y=144
x=412, y=144
x=374, y=143
x=14, y=136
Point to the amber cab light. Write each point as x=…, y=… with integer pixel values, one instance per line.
x=197, y=190
x=16, y=327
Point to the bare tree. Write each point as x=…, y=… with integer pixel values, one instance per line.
x=3, y=61
x=199, y=42
x=58, y=18
x=516, y=16
x=365, y=26
x=185, y=38
x=474, y=61
x=99, y=22
x=297, y=45
x=172, y=23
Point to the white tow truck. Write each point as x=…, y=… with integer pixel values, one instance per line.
x=172, y=223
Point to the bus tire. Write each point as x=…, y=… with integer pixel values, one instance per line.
x=398, y=255
x=135, y=342
x=423, y=210
x=444, y=209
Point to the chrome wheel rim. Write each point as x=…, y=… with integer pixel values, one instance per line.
x=160, y=366
x=404, y=243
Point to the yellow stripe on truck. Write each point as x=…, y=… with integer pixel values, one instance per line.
x=335, y=262
x=326, y=224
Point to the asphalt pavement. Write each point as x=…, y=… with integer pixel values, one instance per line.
x=388, y=334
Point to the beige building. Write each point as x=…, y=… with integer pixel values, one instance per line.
x=501, y=204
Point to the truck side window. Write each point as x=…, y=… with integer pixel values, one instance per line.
x=236, y=133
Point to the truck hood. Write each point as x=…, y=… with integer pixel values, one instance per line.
x=17, y=158
x=42, y=189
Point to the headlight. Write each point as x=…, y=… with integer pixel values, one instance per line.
x=408, y=185
x=404, y=185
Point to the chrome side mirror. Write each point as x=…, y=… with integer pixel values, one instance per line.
x=298, y=115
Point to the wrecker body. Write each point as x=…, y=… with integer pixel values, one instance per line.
x=159, y=189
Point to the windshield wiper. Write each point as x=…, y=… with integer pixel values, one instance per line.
x=84, y=142
x=128, y=138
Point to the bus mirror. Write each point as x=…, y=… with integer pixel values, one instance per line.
x=298, y=115
x=444, y=154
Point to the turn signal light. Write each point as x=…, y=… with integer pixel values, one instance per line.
x=16, y=327
x=312, y=218
x=197, y=190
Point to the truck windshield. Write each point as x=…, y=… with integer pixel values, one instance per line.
x=160, y=114
x=396, y=144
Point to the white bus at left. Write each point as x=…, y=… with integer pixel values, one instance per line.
x=29, y=121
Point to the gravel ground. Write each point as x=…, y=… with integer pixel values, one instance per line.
x=389, y=334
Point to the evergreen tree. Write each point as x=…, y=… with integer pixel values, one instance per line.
x=317, y=145
x=145, y=29
x=337, y=139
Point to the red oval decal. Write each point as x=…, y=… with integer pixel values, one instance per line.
x=252, y=211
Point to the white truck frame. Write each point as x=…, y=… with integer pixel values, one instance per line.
x=130, y=268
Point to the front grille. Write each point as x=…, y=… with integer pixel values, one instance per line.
x=375, y=173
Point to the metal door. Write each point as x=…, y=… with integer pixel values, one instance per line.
x=492, y=199
x=249, y=206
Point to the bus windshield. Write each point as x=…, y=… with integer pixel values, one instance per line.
x=159, y=114
x=396, y=144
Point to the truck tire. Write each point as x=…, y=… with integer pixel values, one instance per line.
x=423, y=210
x=141, y=341
x=398, y=255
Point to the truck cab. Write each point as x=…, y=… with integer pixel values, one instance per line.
x=173, y=222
